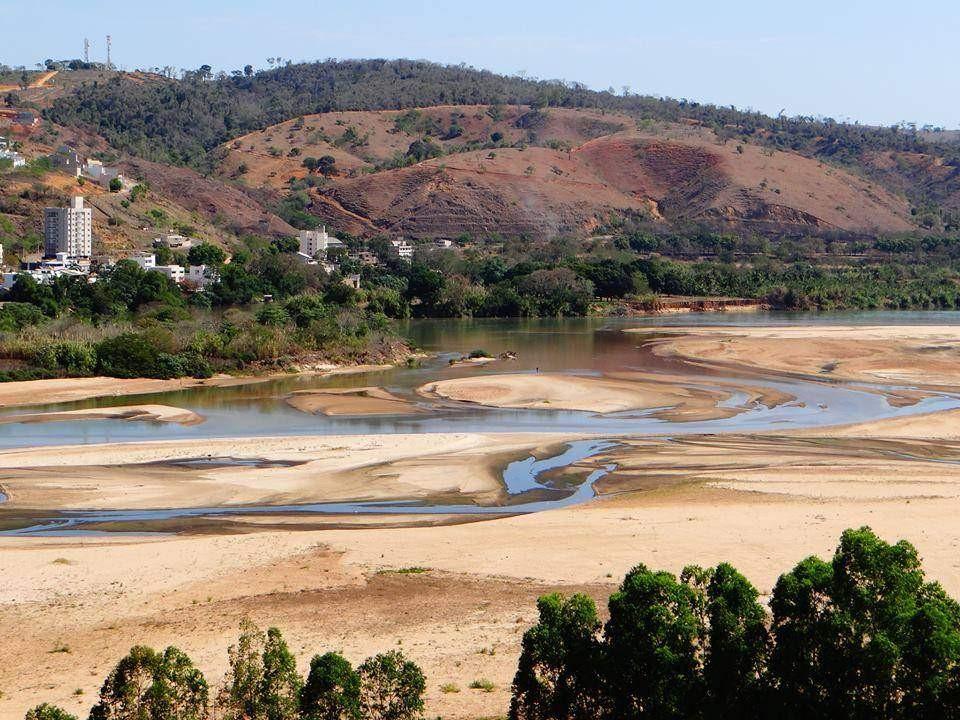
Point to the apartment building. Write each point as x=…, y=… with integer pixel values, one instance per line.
x=68, y=230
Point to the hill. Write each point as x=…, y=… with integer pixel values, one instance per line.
x=580, y=168
x=427, y=149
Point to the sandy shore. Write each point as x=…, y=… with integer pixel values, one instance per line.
x=922, y=355
x=463, y=466
x=352, y=401
x=143, y=413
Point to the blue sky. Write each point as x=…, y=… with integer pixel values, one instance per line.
x=876, y=62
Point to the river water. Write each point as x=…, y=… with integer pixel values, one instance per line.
x=589, y=346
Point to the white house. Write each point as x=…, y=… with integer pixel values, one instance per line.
x=443, y=244
x=202, y=275
x=402, y=248
x=16, y=158
x=313, y=242
x=173, y=241
x=100, y=173
x=174, y=272
x=146, y=261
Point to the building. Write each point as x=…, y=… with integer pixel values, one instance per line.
x=402, y=248
x=100, y=173
x=17, y=159
x=174, y=272
x=444, y=244
x=314, y=242
x=365, y=257
x=174, y=242
x=202, y=275
x=68, y=230
x=146, y=261
x=352, y=281
x=68, y=160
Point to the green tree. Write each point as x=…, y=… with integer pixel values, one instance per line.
x=116, y=185
x=206, y=254
x=332, y=689
x=280, y=688
x=651, y=647
x=45, y=711
x=147, y=685
x=391, y=688
x=558, y=677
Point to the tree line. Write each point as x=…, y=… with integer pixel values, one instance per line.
x=863, y=636
x=262, y=683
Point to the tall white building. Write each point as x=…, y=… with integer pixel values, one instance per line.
x=317, y=241
x=68, y=230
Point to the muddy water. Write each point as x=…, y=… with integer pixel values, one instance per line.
x=584, y=346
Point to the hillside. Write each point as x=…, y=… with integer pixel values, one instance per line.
x=581, y=167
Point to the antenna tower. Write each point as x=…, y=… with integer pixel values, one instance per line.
x=109, y=64
x=86, y=50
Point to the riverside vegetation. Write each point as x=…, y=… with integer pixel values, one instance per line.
x=136, y=323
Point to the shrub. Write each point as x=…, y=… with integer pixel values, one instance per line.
x=45, y=711
x=392, y=688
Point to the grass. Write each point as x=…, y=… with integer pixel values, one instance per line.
x=404, y=571
x=483, y=684
x=60, y=647
x=449, y=688
x=61, y=561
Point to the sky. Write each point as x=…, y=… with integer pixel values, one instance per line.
x=876, y=62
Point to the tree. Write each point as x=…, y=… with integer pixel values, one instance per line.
x=240, y=695
x=262, y=682
x=651, y=647
x=391, y=688
x=326, y=165
x=280, y=687
x=864, y=636
x=116, y=185
x=558, y=677
x=206, y=254
x=45, y=711
x=147, y=685
x=332, y=690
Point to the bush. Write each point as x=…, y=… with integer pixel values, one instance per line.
x=45, y=711
x=127, y=355
x=15, y=316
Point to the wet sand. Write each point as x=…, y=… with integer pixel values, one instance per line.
x=352, y=401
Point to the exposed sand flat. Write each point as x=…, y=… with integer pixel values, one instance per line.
x=352, y=401
x=924, y=355
x=150, y=413
x=556, y=391
x=700, y=500
x=324, y=468
x=37, y=392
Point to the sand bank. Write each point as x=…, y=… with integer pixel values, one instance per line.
x=352, y=401
x=461, y=466
x=145, y=413
x=671, y=397
x=924, y=355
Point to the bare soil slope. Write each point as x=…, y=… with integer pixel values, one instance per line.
x=579, y=166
